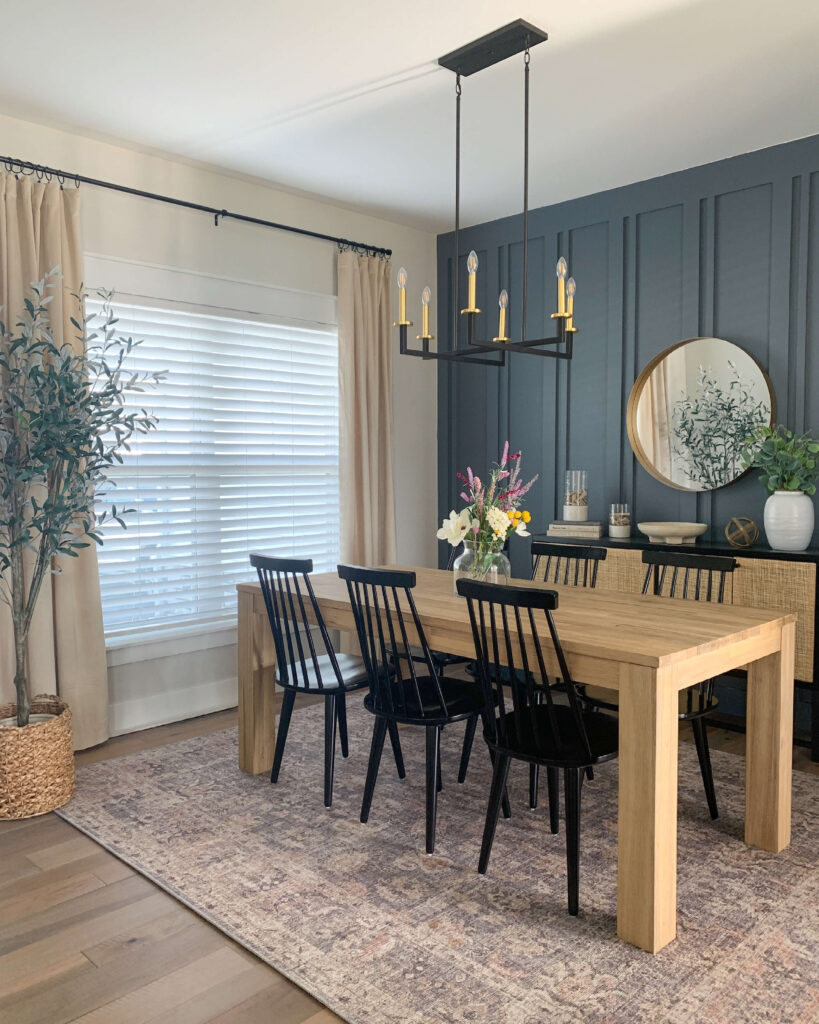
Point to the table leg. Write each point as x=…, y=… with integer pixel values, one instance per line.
x=257, y=703
x=769, y=747
x=647, y=808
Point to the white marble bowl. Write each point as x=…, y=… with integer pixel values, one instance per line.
x=672, y=533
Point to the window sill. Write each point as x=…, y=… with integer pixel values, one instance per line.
x=128, y=648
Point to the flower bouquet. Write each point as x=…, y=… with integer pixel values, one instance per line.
x=492, y=514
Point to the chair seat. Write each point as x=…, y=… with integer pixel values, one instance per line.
x=353, y=674
x=463, y=699
x=521, y=741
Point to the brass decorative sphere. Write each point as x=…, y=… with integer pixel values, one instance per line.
x=742, y=532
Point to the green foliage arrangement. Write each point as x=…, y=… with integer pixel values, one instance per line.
x=62, y=425
x=788, y=461
x=710, y=427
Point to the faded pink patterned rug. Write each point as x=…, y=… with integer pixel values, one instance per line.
x=362, y=919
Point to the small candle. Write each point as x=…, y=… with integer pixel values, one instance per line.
x=402, y=296
x=562, y=270
x=426, y=294
x=503, y=302
x=571, y=288
x=472, y=269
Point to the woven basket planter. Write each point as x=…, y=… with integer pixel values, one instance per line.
x=37, y=762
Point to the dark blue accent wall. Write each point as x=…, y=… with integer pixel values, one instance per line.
x=730, y=249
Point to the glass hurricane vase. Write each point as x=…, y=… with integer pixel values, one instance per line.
x=479, y=561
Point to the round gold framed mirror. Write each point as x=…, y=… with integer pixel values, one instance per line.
x=692, y=409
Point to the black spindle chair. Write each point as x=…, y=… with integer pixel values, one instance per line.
x=401, y=691
x=570, y=565
x=689, y=578
x=308, y=664
x=529, y=724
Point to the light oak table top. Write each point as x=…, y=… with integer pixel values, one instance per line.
x=647, y=648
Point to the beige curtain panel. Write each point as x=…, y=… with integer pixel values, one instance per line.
x=40, y=230
x=365, y=396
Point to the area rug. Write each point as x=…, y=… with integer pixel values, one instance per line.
x=362, y=919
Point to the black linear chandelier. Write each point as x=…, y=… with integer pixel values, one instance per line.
x=517, y=37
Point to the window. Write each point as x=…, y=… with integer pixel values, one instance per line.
x=245, y=458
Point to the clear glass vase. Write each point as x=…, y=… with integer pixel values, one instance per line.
x=478, y=562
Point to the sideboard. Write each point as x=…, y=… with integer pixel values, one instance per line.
x=783, y=580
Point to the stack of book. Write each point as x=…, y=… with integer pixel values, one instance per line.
x=565, y=528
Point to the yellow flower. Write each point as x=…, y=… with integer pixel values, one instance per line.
x=527, y=518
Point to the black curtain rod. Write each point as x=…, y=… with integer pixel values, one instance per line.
x=14, y=166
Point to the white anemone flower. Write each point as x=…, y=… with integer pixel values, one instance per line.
x=456, y=527
x=521, y=530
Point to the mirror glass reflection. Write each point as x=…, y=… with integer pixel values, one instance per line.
x=693, y=408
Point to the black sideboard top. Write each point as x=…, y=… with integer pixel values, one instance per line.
x=707, y=547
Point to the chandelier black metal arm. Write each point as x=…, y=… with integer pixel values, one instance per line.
x=517, y=37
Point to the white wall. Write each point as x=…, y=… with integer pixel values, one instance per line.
x=168, y=686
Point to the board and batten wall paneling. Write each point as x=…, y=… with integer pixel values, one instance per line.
x=730, y=249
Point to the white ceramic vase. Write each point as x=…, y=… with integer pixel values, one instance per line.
x=789, y=520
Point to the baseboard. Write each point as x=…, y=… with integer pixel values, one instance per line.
x=174, y=705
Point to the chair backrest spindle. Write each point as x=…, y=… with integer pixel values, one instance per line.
x=698, y=575
x=572, y=565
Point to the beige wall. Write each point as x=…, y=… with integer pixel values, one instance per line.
x=126, y=227
x=131, y=228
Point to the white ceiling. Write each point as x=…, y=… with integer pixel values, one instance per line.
x=345, y=99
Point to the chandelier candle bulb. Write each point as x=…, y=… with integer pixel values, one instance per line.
x=426, y=295
x=472, y=270
x=562, y=270
x=503, y=302
x=402, y=298
x=571, y=288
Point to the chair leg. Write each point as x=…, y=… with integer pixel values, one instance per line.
x=439, y=783
x=469, y=736
x=704, y=755
x=571, y=779
x=507, y=810
x=341, y=712
x=330, y=719
x=376, y=747
x=496, y=795
x=534, y=777
x=590, y=773
x=286, y=710
x=433, y=740
x=553, y=782
x=396, y=749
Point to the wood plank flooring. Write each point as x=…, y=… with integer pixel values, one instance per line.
x=83, y=938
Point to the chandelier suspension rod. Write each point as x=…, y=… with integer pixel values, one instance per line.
x=526, y=59
x=455, y=299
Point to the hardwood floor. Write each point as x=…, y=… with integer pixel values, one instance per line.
x=83, y=938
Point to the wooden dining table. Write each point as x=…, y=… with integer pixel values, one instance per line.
x=647, y=649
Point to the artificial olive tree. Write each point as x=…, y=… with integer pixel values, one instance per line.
x=63, y=424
